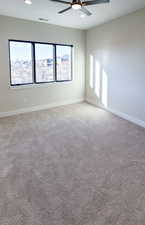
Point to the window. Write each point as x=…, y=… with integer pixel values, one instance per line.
x=64, y=61
x=33, y=62
x=21, y=63
x=44, y=63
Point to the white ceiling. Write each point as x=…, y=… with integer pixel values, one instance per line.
x=48, y=10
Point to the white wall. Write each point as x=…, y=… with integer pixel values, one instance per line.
x=117, y=51
x=46, y=94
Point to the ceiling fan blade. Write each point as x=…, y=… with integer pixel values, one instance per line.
x=64, y=10
x=95, y=2
x=85, y=11
x=59, y=1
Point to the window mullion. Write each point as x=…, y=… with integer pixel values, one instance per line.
x=55, y=64
x=34, y=62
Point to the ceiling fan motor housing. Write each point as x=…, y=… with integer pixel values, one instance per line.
x=77, y=2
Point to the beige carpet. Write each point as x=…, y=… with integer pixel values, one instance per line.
x=71, y=165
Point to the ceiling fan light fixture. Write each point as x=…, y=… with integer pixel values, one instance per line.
x=28, y=2
x=76, y=6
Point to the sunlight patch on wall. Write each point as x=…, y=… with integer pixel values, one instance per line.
x=104, y=88
x=97, y=79
x=91, y=71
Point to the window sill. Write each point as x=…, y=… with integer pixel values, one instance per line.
x=29, y=86
x=39, y=85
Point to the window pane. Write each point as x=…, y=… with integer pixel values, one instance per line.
x=21, y=63
x=44, y=63
x=64, y=58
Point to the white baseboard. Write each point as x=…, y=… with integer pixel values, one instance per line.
x=119, y=114
x=39, y=107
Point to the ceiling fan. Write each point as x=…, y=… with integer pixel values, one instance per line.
x=79, y=5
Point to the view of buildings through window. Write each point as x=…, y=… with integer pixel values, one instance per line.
x=22, y=60
x=44, y=62
x=63, y=54
x=21, y=63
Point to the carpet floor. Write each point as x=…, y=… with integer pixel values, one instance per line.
x=71, y=165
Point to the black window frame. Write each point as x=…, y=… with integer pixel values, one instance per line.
x=34, y=62
x=34, y=49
